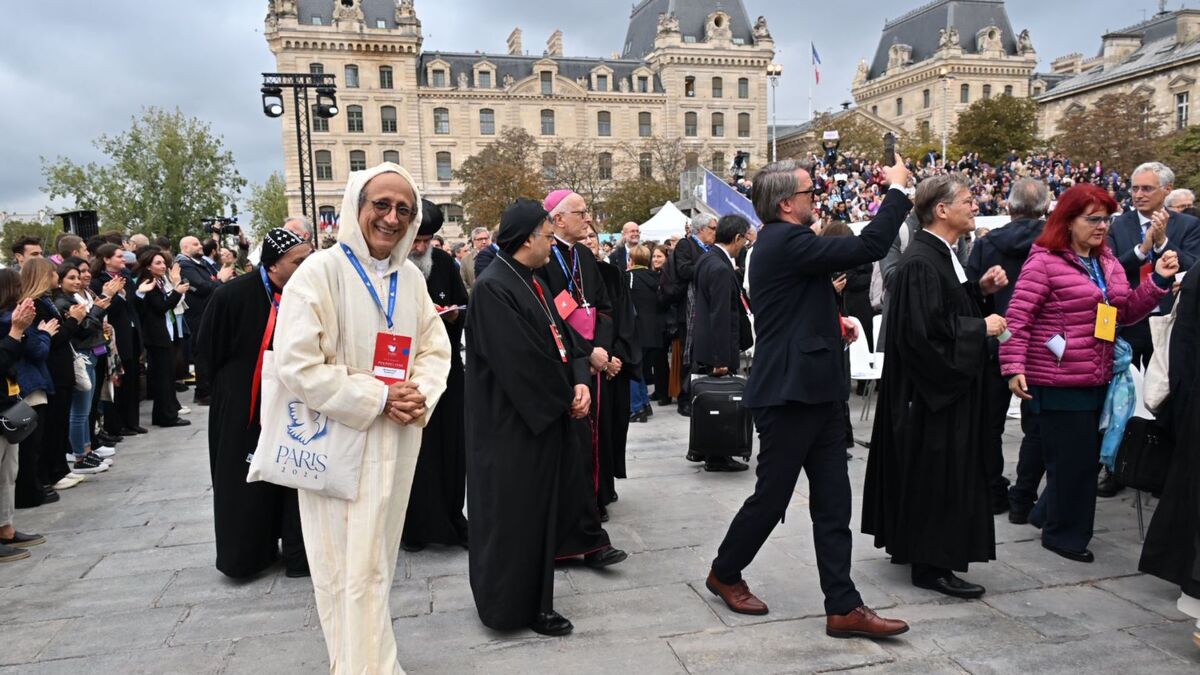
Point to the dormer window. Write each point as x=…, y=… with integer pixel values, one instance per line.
x=439, y=78
x=484, y=81
x=547, y=78
x=316, y=21
x=643, y=84
x=601, y=83
x=381, y=23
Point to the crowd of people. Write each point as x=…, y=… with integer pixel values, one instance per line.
x=395, y=382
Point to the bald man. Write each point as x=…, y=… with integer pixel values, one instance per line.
x=301, y=227
x=631, y=235
x=204, y=278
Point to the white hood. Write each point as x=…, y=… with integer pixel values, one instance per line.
x=349, y=231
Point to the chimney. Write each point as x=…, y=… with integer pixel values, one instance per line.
x=1118, y=46
x=1067, y=65
x=1187, y=26
x=514, y=42
x=554, y=46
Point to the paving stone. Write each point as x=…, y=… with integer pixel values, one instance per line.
x=571, y=654
x=153, y=560
x=93, y=542
x=196, y=585
x=779, y=647
x=433, y=561
x=304, y=651
x=651, y=568
x=42, y=568
x=23, y=642
x=202, y=659
x=453, y=593
x=638, y=613
x=1048, y=568
x=1113, y=653
x=191, y=533
x=1071, y=611
x=1147, y=592
x=238, y=618
x=940, y=629
x=57, y=600
x=410, y=597
x=1173, y=638
x=119, y=632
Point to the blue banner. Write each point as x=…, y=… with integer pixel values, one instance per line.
x=727, y=201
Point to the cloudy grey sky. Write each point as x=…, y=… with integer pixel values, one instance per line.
x=71, y=70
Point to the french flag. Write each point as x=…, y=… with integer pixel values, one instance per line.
x=816, y=60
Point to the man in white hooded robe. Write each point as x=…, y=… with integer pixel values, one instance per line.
x=327, y=358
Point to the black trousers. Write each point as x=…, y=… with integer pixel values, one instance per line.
x=794, y=437
x=1066, y=511
x=1030, y=465
x=998, y=396
x=201, y=385
x=127, y=396
x=101, y=377
x=657, y=371
x=29, y=491
x=160, y=380
x=56, y=442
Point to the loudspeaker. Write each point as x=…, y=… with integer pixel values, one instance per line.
x=80, y=223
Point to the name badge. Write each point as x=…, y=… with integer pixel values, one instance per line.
x=564, y=304
x=1106, y=322
x=13, y=388
x=558, y=342
x=392, y=353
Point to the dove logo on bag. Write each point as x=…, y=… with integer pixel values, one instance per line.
x=306, y=427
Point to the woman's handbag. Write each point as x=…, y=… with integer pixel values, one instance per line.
x=83, y=381
x=18, y=421
x=1144, y=456
x=302, y=448
x=1157, y=383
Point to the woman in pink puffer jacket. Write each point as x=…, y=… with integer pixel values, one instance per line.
x=1056, y=363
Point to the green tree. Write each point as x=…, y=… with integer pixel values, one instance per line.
x=163, y=175
x=15, y=229
x=1120, y=130
x=993, y=126
x=633, y=198
x=1181, y=152
x=498, y=174
x=268, y=205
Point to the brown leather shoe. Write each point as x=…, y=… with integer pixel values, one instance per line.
x=863, y=622
x=737, y=596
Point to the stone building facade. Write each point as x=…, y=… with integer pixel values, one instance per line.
x=935, y=61
x=1158, y=58
x=690, y=71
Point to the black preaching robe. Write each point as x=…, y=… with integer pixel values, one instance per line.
x=250, y=518
x=615, y=393
x=528, y=492
x=926, y=495
x=435, y=505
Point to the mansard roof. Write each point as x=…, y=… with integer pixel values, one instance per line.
x=920, y=28
x=693, y=17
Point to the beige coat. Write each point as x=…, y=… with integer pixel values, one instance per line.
x=325, y=347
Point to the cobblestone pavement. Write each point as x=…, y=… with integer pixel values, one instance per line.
x=125, y=584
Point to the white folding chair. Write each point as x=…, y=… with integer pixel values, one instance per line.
x=876, y=328
x=863, y=366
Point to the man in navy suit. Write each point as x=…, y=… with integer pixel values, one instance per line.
x=798, y=387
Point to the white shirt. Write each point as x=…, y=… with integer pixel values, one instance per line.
x=958, y=268
x=1137, y=249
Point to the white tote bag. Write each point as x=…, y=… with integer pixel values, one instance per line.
x=1158, y=385
x=302, y=448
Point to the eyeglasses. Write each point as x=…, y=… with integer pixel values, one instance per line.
x=582, y=214
x=1143, y=188
x=384, y=207
x=1096, y=221
x=812, y=192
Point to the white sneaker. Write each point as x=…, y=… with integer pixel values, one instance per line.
x=184, y=410
x=66, y=483
x=104, y=452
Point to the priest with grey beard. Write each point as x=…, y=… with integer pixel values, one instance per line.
x=435, y=505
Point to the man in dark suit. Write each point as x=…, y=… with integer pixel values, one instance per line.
x=204, y=278
x=717, y=348
x=687, y=253
x=798, y=388
x=631, y=235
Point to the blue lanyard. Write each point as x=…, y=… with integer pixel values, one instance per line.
x=267, y=285
x=563, y=263
x=391, y=308
x=700, y=243
x=1096, y=275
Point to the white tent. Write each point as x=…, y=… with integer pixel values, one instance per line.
x=668, y=222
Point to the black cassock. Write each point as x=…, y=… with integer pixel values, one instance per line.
x=926, y=492
x=528, y=493
x=250, y=518
x=615, y=393
x=435, y=505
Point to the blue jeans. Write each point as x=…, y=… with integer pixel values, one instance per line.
x=80, y=424
x=639, y=396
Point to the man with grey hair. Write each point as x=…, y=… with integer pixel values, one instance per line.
x=1008, y=247
x=798, y=389
x=687, y=253
x=1179, y=200
x=480, y=240
x=301, y=227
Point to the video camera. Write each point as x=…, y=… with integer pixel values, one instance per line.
x=222, y=226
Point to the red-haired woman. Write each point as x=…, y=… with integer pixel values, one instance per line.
x=1071, y=294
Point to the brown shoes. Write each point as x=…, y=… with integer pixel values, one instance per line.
x=863, y=622
x=737, y=596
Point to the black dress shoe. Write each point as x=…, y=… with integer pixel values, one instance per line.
x=108, y=439
x=1084, y=556
x=603, y=514
x=724, y=464
x=951, y=585
x=51, y=496
x=1019, y=515
x=604, y=557
x=551, y=623
x=411, y=546
x=685, y=409
x=648, y=411
x=177, y=422
x=694, y=457
x=297, y=572
x=1108, y=486
x=664, y=402
x=180, y=387
x=133, y=431
x=203, y=400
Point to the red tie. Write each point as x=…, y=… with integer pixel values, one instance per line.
x=262, y=349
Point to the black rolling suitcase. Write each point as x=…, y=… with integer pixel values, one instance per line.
x=720, y=425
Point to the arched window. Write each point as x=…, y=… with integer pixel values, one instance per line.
x=547, y=122
x=964, y=94
x=1008, y=90
x=387, y=119
x=385, y=77
x=326, y=214
x=358, y=160
x=645, y=127
x=444, y=170
x=352, y=76
x=926, y=99
x=604, y=123
x=354, y=119
x=324, y=162
x=441, y=121
x=718, y=87
x=689, y=124
x=606, y=166
x=743, y=125
x=487, y=122
x=392, y=156
x=987, y=91
x=718, y=125
x=744, y=87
